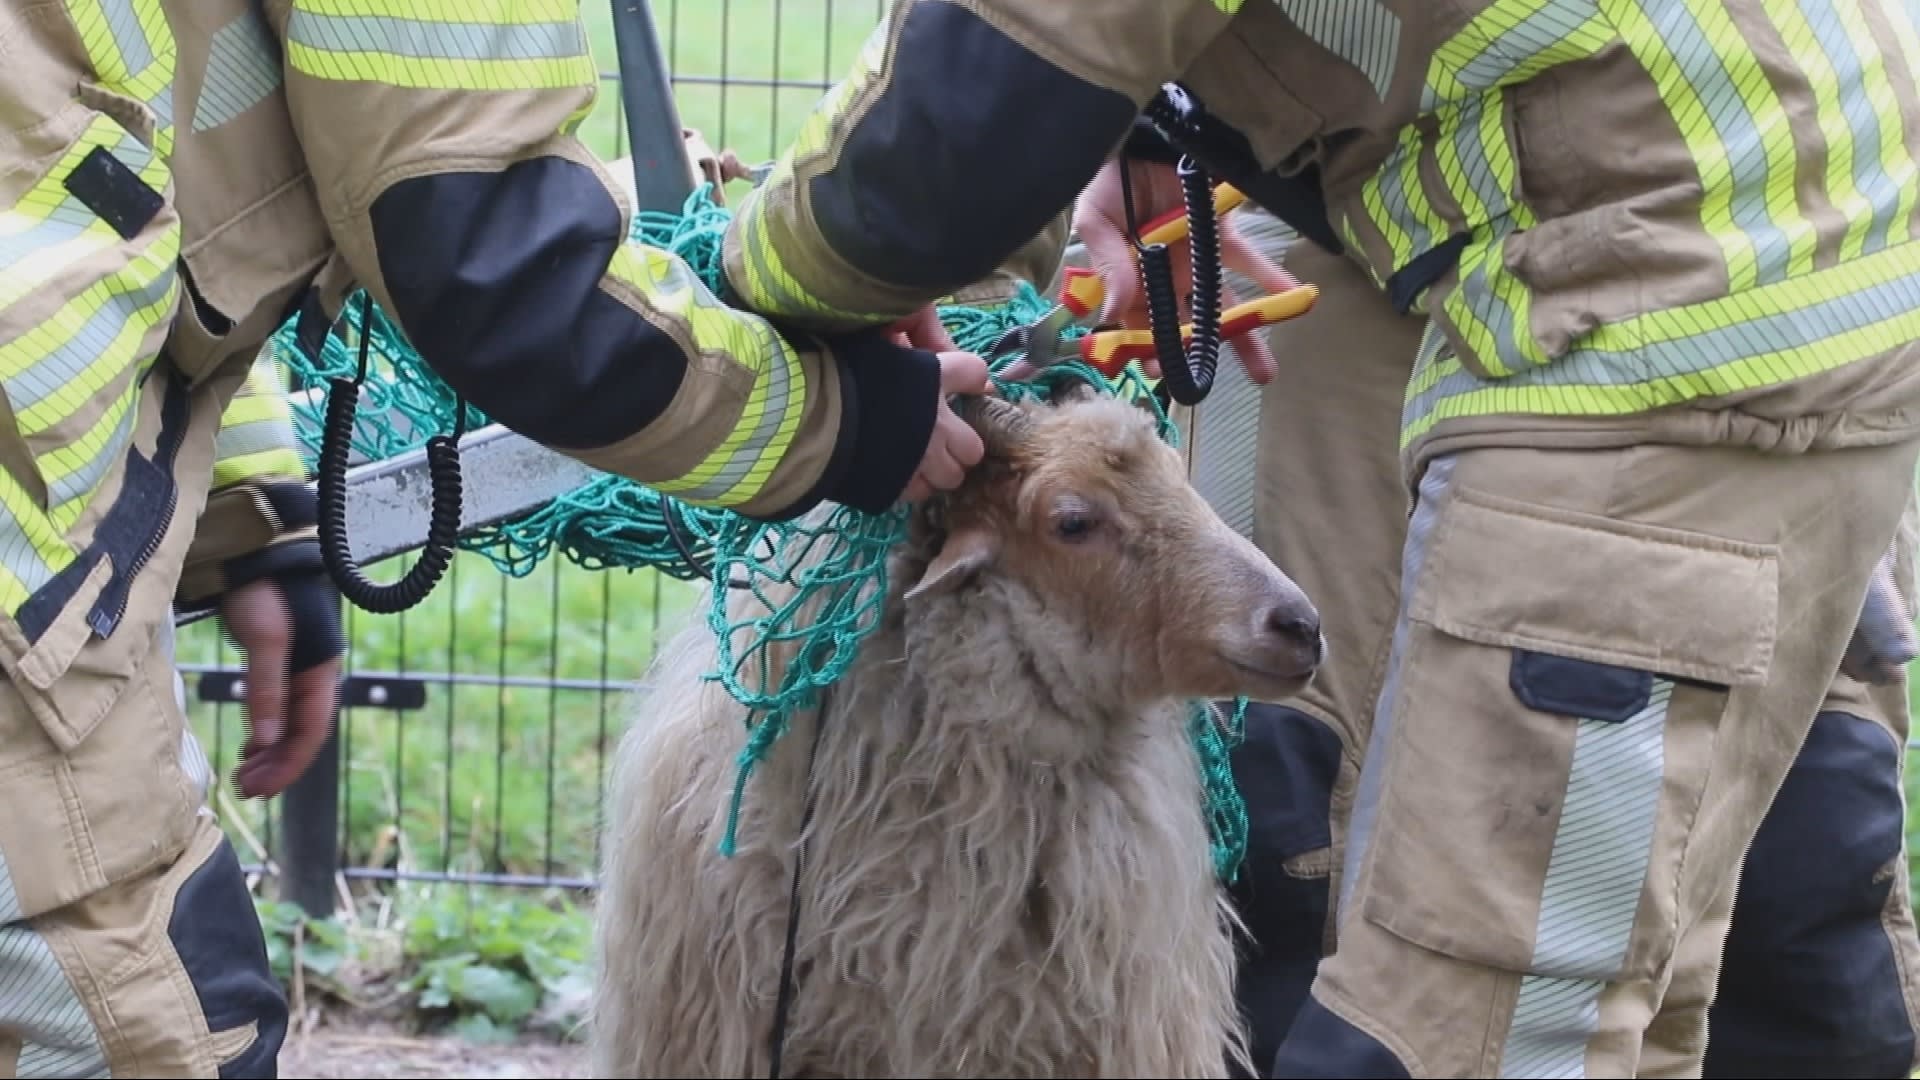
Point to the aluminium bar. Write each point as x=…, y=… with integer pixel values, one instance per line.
x=503, y=476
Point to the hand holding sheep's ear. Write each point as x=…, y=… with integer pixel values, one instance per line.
x=923, y=330
x=955, y=446
x=1100, y=220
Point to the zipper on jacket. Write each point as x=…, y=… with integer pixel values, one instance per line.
x=103, y=622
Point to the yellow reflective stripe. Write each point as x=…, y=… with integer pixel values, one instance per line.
x=53, y=369
x=487, y=12
x=74, y=471
x=1398, y=205
x=277, y=463
x=733, y=471
x=441, y=46
x=1491, y=310
x=1836, y=135
x=1735, y=128
x=1896, y=146
x=256, y=436
x=132, y=50
x=769, y=285
x=1883, y=174
x=30, y=554
x=49, y=230
x=1762, y=337
x=1511, y=41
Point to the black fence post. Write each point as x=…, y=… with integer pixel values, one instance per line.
x=662, y=173
x=309, y=832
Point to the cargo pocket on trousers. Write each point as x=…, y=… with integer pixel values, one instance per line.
x=1563, y=681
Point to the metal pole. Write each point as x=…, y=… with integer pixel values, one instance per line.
x=309, y=823
x=662, y=172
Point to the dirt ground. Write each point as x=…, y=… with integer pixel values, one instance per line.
x=335, y=1051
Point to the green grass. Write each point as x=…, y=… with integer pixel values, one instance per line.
x=802, y=41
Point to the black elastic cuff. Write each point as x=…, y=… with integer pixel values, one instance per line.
x=292, y=557
x=888, y=394
x=1146, y=143
x=314, y=605
x=296, y=504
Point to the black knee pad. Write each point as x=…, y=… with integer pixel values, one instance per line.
x=217, y=934
x=1285, y=768
x=1810, y=985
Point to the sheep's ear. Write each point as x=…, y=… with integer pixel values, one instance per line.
x=968, y=550
x=1002, y=425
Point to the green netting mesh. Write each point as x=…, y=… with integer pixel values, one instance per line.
x=611, y=522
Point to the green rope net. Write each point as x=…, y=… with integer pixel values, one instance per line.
x=611, y=522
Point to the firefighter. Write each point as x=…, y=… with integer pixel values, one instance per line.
x=1660, y=429
x=1821, y=958
x=178, y=178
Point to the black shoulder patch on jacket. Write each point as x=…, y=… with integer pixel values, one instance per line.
x=105, y=185
x=920, y=195
x=496, y=279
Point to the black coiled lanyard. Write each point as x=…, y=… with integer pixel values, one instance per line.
x=1186, y=373
x=443, y=469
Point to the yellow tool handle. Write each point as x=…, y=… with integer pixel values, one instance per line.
x=1110, y=351
x=1172, y=225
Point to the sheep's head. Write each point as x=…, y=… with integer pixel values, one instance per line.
x=1081, y=505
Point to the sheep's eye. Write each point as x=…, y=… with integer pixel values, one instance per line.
x=1073, y=524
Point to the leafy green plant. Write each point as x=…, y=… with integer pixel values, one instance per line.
x=489, y=965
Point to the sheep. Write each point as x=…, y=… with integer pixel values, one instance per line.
x=1007, y=872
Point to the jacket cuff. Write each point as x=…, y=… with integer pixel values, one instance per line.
x=248, y=532
x=888, y=399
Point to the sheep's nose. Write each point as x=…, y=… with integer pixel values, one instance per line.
x=1293, y=633
x=1295, y=626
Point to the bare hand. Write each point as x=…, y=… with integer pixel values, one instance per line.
x=955, y=446
x=288, y=719
x=1100, y=219
x=923, y=330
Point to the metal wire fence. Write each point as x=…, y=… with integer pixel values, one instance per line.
x=474, y=728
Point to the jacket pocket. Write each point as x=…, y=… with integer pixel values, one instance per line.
x=89, y=288
x=1559, y=696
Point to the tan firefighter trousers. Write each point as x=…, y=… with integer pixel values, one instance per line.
x=1542, y=886
x=129, y=945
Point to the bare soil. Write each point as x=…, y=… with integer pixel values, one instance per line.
x=343, y=1049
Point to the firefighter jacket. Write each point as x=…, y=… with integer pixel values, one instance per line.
x=1670, y=220
x=179, y=177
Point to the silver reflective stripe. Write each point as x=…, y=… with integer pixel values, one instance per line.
x=83, y=480
x=1224, y=446
x=1364, y=33
x=128, y=35
x=193, y=758
x=428, y=39
x=39, y=1006
x=774, y=404
x=129, y=301
x=242, y=71
x=1224, y=442
x=253, y=437
x=137, y=53
x=1366, y=799
x=1592, y=891
x=9, y=898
